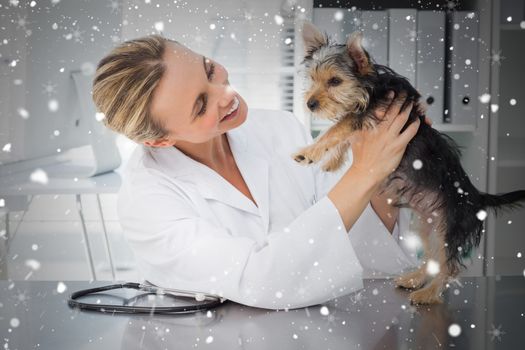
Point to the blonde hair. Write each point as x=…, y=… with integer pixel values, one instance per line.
x=124, y=83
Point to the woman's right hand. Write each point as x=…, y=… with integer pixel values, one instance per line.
x=376, y=154
x=378, y=151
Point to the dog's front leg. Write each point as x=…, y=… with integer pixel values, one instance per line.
x=332, y=137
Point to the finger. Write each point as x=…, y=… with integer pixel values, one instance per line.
x=408, y=134
x=395, y=107
x=380, y=111
x=428, y=121
x=401, y=119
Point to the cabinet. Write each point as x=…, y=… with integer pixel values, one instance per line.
x=505, y=243
x=493, y=147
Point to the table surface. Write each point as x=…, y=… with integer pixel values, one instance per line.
x=489, y=311
x=20, y=184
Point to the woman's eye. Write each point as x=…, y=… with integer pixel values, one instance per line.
x=210, y=74
x=334, y=81
x=204, y=102
x=211, y=71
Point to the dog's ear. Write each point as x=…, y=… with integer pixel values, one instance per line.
x=358, y=54
x=313, y=38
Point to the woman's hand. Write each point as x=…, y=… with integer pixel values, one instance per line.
x=378, y=151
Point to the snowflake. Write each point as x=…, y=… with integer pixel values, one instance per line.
x=412, y=35
x=495, y=332
x=331, y=318
x=247, y=15
x=114, y=6
x=49, y=88
x=22, y=23
x=496, y=57
x=21, y=298
x=412, y=310
x=358, y=298
x=451, y=5
x=77, y=34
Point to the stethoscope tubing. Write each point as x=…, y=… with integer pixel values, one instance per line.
x=123, y=309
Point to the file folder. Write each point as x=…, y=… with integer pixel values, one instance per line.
x=402, y=42
x=430, y=64
x=374, y=26
x=463, y=71
x=336, y=22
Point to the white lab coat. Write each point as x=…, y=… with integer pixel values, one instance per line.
x=191, y=229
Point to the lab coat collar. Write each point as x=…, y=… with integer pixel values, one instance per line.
x=254, y=169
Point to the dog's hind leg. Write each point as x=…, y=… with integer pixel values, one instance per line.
x=431, y=293
x=416, y=279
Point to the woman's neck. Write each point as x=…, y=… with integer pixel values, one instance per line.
x=215, y=154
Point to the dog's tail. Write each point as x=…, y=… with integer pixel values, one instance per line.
x=498, y=202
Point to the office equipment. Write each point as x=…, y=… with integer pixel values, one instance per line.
x=463, y=69
x=59, y=44
x=430, y=65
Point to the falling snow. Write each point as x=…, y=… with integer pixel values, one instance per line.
x=454, y=330
x=61, y=287
x=481, y=215
x=485, y=98
x=495, y=332
x=417, y=164
x=432, y=267
x=39, y=176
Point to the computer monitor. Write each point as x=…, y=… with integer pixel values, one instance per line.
x=51, y=106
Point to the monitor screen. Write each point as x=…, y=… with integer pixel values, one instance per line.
x=47, y=43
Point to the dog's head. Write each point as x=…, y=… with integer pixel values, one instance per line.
x=338, y=75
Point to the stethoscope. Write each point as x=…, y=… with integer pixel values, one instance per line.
x=211, y=300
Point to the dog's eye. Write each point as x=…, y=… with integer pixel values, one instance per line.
x=334, y=81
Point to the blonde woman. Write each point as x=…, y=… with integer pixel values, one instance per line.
x=212, y=201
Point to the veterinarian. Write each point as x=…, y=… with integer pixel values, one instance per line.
x=212, y=200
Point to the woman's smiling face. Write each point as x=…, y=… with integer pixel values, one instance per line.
x=193, y=97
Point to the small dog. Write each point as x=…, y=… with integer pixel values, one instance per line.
x=346, y=87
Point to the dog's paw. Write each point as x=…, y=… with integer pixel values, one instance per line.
x=425, y=296
x=308, y=155
x=301, y=158
x=409, y=282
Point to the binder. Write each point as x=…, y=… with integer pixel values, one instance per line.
x=374, y=25
x=336, y=22
x=430, y=64
x=402, y=42
x=464, y=67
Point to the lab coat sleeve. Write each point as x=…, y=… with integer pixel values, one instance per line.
x=310, y=262
x=376, y=248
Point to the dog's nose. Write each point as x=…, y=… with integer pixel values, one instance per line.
x=312, y=104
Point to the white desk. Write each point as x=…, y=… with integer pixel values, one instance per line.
x=17, y=189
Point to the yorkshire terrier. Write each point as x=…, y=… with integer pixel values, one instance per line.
x=346, y=86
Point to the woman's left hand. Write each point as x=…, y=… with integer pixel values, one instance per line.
x=428, y=121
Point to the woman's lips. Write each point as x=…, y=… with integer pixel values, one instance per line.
x=232, y=114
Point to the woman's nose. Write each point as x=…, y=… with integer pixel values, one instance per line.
x=228, y=93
